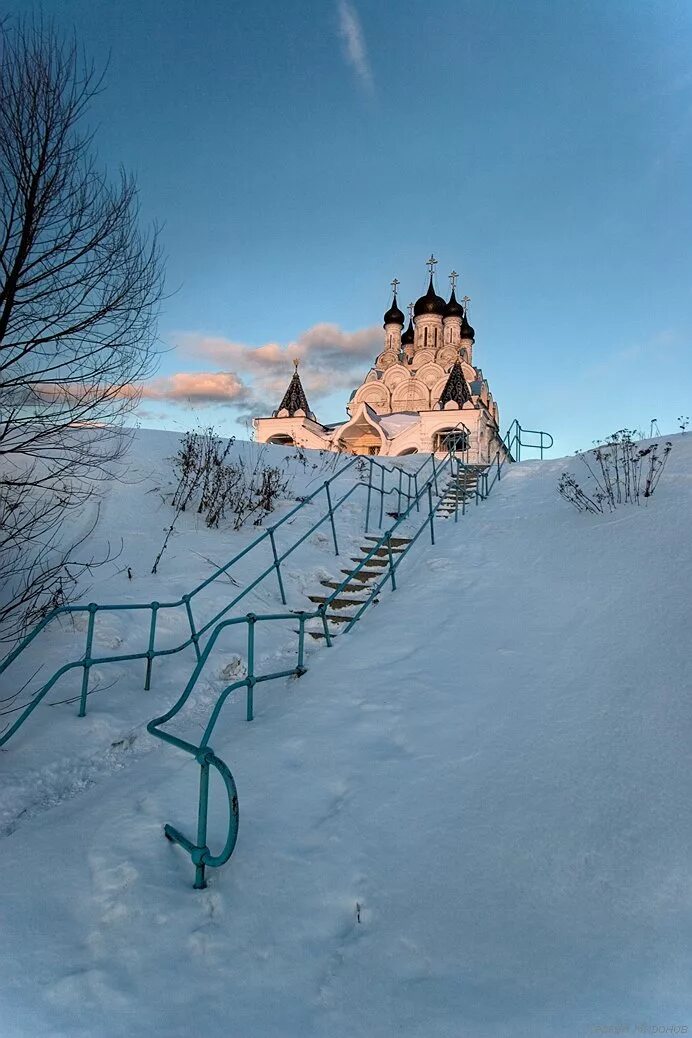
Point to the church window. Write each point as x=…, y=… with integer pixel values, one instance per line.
x=451, y=439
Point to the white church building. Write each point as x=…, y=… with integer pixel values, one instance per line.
x=422, y=394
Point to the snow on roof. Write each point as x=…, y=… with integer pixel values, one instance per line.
x=394, y=424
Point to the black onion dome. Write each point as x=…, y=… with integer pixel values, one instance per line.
x=453, y=308
x=466, y=331
x=408, y=336
x=430, y=303
x=394, y=314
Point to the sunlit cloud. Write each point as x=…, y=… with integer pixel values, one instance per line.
x=252, y=379
x=355, y=50
x=209, y=387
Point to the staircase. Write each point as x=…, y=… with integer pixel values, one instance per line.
x=361, y=577
x=461, y=488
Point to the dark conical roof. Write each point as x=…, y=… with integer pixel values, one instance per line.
x=457, y=388
x=294, y=399
x=453, y=308
x=430, y=303
x=394, y=314
x=409, y=335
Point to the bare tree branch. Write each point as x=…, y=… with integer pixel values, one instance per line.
x=80, y=286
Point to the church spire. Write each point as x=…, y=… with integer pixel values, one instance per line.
x=294, y=399
x=457, y=389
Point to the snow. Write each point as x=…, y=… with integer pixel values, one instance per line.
x=469, y=818
x=393, y=424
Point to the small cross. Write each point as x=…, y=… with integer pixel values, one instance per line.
x=410, y=311
x=395, y=284
x=453, y=278
x=431, y=263
x=466, y=300
x=296, y=362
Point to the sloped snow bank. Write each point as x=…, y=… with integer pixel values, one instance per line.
x=470, y=818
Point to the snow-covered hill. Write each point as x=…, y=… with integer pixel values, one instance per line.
x=469, y=818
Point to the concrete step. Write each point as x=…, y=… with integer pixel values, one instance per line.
x=363, y=576
x=338, y=603
x=394, y=540
x=396, y=549
x=374, y=561
x=349, y=588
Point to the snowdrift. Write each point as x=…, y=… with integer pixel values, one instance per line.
x=470, y=817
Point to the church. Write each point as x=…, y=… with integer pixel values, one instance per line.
x=422, y=395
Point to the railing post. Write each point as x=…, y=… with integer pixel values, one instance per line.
x=391, y=560
x=466, y=485
x=430, y=513
x=277, y=565
x=417, y=491
x=401, y=476
x=325, y=626
x=367, y=507
x=87, y=659
x=150, y=649
x=300, y=669
x=251, y=621
x=200, y=881
x=382, y=499
x=409, y=493
x=331, y=517
x=193, y=632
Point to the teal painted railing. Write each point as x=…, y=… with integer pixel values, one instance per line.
x=199, y=852
x=406, y=489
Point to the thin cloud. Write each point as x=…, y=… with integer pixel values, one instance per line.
x=202, y=387
x=324, y=347
x=355, y=50
x=252, y=379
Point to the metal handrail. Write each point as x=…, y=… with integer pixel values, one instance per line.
x=86, y=661
x=199, y=852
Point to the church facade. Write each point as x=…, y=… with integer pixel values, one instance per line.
x=422, y=395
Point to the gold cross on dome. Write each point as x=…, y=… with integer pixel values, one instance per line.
x=410, y=311
x=296, y=362
x=466, y=300
x=453, y=278
x=431, y=264
x=395, y=284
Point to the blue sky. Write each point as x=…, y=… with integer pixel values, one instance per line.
x=300, y=155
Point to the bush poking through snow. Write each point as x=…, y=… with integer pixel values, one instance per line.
x=619, y=472
x=219, y=488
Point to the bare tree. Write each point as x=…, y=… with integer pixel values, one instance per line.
x=80, y=285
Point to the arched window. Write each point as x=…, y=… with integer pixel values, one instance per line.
x=451, y=439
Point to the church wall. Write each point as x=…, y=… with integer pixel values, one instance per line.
x=452, y=331
x=428, y=332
